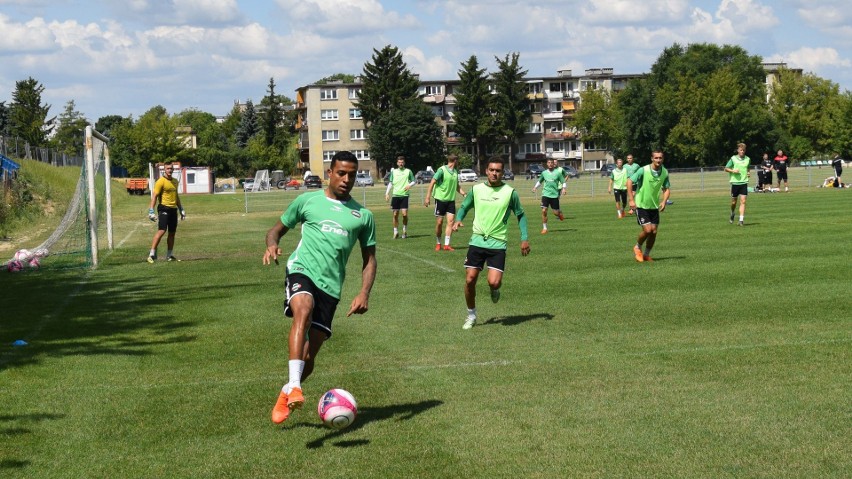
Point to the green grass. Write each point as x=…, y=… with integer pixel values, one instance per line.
x=727, y=357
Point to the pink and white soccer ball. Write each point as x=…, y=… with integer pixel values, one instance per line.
x=14, y=266
x=337, y=408
x=23, y=255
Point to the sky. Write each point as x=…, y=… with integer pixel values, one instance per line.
x=123, y=57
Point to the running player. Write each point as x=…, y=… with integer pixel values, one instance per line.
x=738, y=169
x=618, y=186
x=631, y=168
x=400, y=181
x=493, y=201
x=445, y=184
x=332, y=222
x=552, y=181
x=649, y=181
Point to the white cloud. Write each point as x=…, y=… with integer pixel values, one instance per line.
x=610, y=12
x=429, y=68
x=337, y=18
x=746, y=15
x=216, y=11
x=32, y=36
x=812, y=59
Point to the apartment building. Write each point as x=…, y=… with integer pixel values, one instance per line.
x=329, y=121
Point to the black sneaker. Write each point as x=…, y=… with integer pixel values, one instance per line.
x=172, y=258
x=732, y=218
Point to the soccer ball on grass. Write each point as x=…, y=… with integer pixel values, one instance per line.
x=337, y=408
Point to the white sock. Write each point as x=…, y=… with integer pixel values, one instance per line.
x=395, y=231
x=447, y=240
x=544, y=226
x=296, y=368
x=471, y=311
x=437, y=240
x=403, y=229
x=153, y=252
x=741, y=217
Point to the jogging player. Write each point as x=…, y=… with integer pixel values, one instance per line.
x=649, y=181
x=332, y=222
x=618, y=186
x=493, y=201
x=166, y=192
x=552, y=180
x=400, y=181
x=445, y=184
x=631, y=168
x=738, y=170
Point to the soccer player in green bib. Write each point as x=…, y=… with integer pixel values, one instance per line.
x=401, y=180
x=650, y=180
x=332, y=222
x=631, y=168
x=737, y=167
x=618, y=186
x=445, y=185
x=552, y=180
x=493, y=201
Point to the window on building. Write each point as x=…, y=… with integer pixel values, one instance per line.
x=327, y=155
x=438, y=110
x=361, y=154
x=328, y=114
x=555, y=146
x=355, y=114
x=328, y=94
x=330, y=135
x=360, y=134
x=534, y=128
x=534, y=87
x=433, y=90
x=554, y=126
x=190, y=178
x=556, y=87
x=354, y=92
x=531, y=147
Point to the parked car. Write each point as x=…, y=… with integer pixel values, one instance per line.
x=423, y=176
x=364, y=179
x=508, y=175
x=467, y=175
x=534, y=170
x=607, y=169
x=570, y=171
x=313, y=181
x=248, y=183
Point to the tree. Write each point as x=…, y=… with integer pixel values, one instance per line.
x=106, y=124
x=510, y=103
x=4, y=118
x=27, y=115
x=386, y=84
x=697, y=103
x=473, y=118
x=599, y=119
x=807, y=109
x=248, y=125
x=70, y=132
x=272, y=114
x=150, y=139
x=343, y=77
x=408, y=129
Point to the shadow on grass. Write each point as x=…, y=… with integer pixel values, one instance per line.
x=62, y=313
x=398, y=412
x=518, y=319
x=12, y=432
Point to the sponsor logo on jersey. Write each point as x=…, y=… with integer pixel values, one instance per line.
x=329, y=226
x=356, y=214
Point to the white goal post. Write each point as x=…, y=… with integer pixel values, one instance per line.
x=97, y=152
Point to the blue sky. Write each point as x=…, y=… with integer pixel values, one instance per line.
x=124, y=57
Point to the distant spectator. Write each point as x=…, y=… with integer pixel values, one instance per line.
x=837, y=163
x=781, y=169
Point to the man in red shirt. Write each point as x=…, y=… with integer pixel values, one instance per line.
x=781, y=168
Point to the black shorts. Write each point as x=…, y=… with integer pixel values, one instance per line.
x=167, y=218
x=764, y=177
x=739, y=190
x=442, y=208
x=552, y=203
x=620, y=196
x=399, y=203
x=324, y=304
x=782, y=175
x=478, y=257
x=647, y=217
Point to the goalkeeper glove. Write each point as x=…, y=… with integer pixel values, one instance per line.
x=182, y=214
x=151, y=215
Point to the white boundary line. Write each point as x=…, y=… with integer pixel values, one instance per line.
x=430, y=263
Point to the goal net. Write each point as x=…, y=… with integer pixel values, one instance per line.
x=86, y=227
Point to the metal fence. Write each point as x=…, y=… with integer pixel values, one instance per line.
x=15, y=147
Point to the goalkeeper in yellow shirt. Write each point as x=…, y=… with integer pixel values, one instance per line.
x=166, y=191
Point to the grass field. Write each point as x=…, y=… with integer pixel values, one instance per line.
x=730, y=356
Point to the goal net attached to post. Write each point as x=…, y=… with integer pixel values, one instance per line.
x=86, y=227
